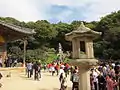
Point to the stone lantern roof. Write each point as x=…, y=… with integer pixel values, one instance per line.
x=81, y=32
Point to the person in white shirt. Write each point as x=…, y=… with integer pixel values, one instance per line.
x=61, y=71
x=62, y=79
x=95, y=79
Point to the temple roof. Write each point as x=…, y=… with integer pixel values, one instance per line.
x=12, y=32
x=17, y=28
x=82, y=31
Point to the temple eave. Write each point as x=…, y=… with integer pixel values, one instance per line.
x=12, y=32
x=17, y=28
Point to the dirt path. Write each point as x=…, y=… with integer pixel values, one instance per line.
x=18, y=81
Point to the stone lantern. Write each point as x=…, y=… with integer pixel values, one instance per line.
x=83, y=53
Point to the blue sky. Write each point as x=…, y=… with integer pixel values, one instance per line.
x=57, y=10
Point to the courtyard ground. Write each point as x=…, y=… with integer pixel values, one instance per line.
x=19, y=81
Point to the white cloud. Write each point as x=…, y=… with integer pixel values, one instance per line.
x=69, y=2
x=31, y=10
x=102, y=8
x=19, y=9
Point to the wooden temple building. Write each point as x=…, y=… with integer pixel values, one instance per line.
x=10, y=32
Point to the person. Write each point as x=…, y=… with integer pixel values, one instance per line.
x=95, y=75
x=44, y=66
x=39, y=70
x=29, y=69
x=0, y=60
x=49, y=67
x=62, y=79
x=61, y=73
x=15, y=63
x=91, y=81
x=63, y=82
x=53, y=69
x=110, y=83
x=9, y=61
x=0, y=78
x=75, y=79
x=57, y=68
x=71, y=69
x=35, y=67
x=101, y=82
x=66, y=69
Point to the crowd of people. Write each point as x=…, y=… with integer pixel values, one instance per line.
x=10, y=62
x=62, y=70
x=104, y=76
x=33, y=69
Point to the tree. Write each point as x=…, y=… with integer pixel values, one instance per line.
x=62, y=29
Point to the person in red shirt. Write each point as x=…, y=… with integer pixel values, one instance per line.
x=110, y=83
x=49, y=67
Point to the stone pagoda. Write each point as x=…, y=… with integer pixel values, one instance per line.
x=83, y=53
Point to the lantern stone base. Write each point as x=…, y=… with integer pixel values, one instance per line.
x=84, y=71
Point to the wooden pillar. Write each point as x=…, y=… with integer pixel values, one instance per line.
x=24, y=58
x=4, y=51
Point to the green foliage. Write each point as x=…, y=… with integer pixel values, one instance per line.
x=109, y=26
x=67, y=60
x=62, y=29
x=51, y=56
x=36, y=54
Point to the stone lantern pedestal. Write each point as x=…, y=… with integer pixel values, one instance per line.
x=84, y=71
x=82, y=41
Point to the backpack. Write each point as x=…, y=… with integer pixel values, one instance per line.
x=75, y=78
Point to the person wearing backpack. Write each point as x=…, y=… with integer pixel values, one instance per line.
x=75, y=79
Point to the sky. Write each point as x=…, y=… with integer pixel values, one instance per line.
x=58, y=10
